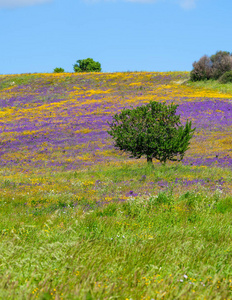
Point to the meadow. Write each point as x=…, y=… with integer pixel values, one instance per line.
x=82, y=220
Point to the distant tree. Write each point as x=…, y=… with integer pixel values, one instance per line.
x=153, y=130
x=87, y=65
x=58, y=70
x=221, y=63
x=212, y=67
x=202, y=69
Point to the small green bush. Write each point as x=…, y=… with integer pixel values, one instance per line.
x=226, y=77
x=58, y=70
x=153, y=130
x=87, y=65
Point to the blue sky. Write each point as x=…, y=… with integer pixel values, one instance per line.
x=123, y=35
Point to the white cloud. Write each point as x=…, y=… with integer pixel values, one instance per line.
x=188, y=4
x=143, y=1
x=18, y=3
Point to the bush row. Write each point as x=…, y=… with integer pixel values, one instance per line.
x=217, y=67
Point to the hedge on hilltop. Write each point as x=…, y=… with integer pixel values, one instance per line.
x=213, y=67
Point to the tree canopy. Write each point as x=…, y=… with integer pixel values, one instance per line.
x=153, y=130
x=87, y=65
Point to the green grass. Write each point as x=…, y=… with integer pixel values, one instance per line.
x=213, y=85
x=142, y=248
x=45, y=193
x=12, y=80
x=169, y=245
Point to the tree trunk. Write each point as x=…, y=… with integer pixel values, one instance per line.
x=149, y=159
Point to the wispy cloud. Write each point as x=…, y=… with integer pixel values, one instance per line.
x=188, y=4
x=185, y=4
x=143, y=1
x=18, y=3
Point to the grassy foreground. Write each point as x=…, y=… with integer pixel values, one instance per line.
x=171, y=245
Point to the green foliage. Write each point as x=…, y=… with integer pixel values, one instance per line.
x=226, y=77
x=153, y=130
x=58, y=70
x=212, y=67
x=87, y=65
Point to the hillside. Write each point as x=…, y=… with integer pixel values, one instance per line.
x=60, y=120
x=82, y=220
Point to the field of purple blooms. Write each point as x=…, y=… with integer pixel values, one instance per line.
x=55, y=113
x=59, y=122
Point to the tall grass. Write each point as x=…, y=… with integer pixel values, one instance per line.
x=212, y=85
x=168, y=245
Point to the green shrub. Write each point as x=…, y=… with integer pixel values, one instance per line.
x=58, y=70
x=226, y=77
x=153, y=130
x=87, y=65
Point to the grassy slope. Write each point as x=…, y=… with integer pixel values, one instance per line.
x=173, y=243
x=213, y=85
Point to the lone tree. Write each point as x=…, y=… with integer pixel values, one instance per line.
x=153, y=130
x=87, y=65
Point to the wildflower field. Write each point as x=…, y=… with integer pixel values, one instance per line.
x=82, y=220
